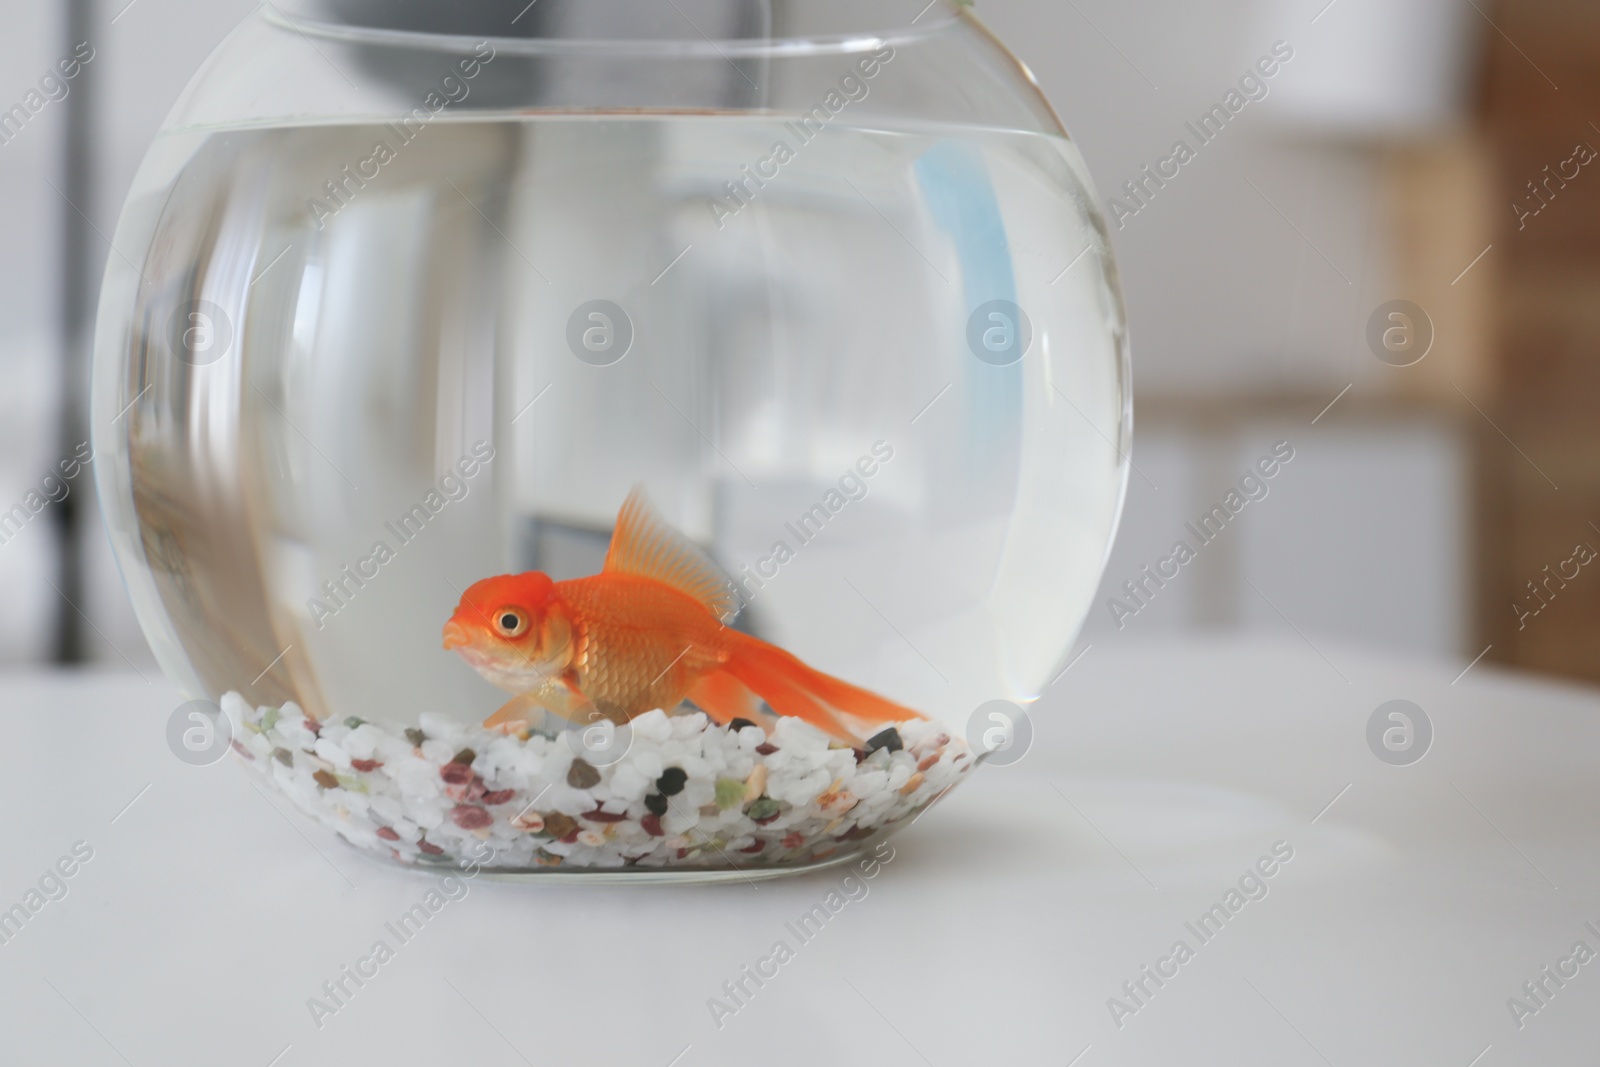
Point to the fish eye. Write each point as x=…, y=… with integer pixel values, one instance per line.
x=510, y=622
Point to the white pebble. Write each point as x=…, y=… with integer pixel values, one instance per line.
x=426, y=814
x=530, y=762
x=869, y=783
x=391, y=748
x=442, y=726
x=688, y=725
x=647, y=763
x=330, y=751
x=363, y=741
x=677, y=820
x=418, y=778
x=652, y=726
x=796, y=733
x=235, y=706
x=567, y=800
x=388, y=808
x=439, y=751
x=627, y=783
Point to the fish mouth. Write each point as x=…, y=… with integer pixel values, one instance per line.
x=455, y=635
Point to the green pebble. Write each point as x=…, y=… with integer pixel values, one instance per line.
x=270, y=719
x=352, y=783
x=415, y=736
x=730, y=793
x=764, y=808
x=354, y=721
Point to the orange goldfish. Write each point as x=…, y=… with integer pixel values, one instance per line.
x=646, y=632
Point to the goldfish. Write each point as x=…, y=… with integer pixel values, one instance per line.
x=647, y=632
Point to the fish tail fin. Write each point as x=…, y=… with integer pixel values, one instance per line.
x=791, y=688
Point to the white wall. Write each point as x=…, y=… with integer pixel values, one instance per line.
x=1252, y=275
x=1357, y=538
x=1223, y=293
x=1228, y=294
x=28, y=270
x=142, y=60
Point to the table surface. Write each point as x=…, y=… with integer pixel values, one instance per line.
x=1417, y=902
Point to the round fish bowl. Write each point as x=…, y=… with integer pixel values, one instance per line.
x=665, y=441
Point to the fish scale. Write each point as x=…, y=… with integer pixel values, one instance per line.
x=643, y=642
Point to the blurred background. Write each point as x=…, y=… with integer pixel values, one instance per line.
x=1427, y=151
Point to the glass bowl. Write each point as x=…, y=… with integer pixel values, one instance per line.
x=412, y=301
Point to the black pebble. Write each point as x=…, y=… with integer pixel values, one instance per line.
x=415, y=736
x=672, y=781
x=889, y=739
x=656, y=803
x=739, y=724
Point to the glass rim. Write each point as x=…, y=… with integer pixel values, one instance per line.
x=661, y=48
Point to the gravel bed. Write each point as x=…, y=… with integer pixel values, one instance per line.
x=688, y=793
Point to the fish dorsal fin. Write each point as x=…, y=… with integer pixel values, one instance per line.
x=644, y=545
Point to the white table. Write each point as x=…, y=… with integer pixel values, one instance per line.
x=1413, y=907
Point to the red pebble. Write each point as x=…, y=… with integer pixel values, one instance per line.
x=757, y=847
x=766, y=749
x=794, y=840
x=652, y=825
x=571, y=838
x=470, y=817
x=456, y=773
x=430, y=848
x=388, y=834
x=597, y=815
x=499, y=796
x=366, y=766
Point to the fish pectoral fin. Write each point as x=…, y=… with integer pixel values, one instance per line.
x=515, y=712
x=560, y=697
x=568, y=701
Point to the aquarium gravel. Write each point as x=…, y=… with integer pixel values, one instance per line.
x=687, y=792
